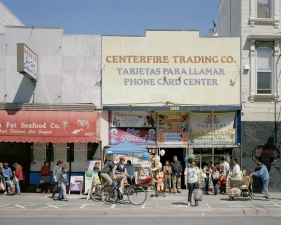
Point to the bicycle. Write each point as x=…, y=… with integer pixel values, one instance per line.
x=136, y=194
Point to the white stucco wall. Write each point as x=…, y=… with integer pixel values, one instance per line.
x=7, y=18
x=81, y=67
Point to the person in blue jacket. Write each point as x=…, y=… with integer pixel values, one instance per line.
x=8, y=176
x=262, y=173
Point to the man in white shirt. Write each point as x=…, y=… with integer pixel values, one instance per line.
x=224, y=166
x=236, y=172
x=191, y=179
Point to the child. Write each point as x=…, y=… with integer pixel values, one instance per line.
x=167, y=175
x=222, y=183
x=96, y=170
x=62, y=182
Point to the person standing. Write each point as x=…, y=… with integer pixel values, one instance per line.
x=19, y=176
x=215, y=170
x=8, y=176
x=167, y=175
x=56, y=172
x=191, y=179
x=130, y=168
x=224, y=166
x=222, y=183
x=62, y=183
x=206, y=170
x=2, y=177
x=45, y=176
x=176, y=174
x=236, y=172
x=264, y=175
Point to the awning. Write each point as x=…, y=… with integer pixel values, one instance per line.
x=49, y=126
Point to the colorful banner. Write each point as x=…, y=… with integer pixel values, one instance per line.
x=172, y=128
x=202, y=125
x=139, y=136
x=132, y=119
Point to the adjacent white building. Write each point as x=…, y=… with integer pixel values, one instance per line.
x=257, y=23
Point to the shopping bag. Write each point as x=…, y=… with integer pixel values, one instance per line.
x=197, y=193
x=216, y=175
x=15, y=180
x=2, y=187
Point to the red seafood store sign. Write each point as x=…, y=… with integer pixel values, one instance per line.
x=49, y=126
x=266, y=154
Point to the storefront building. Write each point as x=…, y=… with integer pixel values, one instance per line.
x=176, y=91
x=50, y=99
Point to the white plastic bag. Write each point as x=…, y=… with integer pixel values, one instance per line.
x=2, y=187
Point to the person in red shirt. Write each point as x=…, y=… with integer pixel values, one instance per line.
x=18, y=174
x=222, y=183
x=45, y=177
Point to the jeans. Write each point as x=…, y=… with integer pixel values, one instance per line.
x=215, y=184
x=17, y=187
x=265, y=188
x=191, y=187
x=176, y=182
x=55, y=188
x=62, y=193
x=206, y=184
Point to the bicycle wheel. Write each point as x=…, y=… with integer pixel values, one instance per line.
x=108, y=196
x=96, y=193
x=137, y=195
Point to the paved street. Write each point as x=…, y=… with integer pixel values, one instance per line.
x=171, y=205
x=124, y=220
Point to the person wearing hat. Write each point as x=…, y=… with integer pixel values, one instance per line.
x=18, y=174
x=8, y=176
x=224, y=166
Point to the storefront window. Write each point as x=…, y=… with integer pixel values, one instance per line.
x=70, y=152
x=50, y=152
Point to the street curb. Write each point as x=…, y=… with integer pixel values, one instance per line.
x=140, y=212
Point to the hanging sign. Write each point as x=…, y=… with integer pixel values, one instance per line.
x=27, y=61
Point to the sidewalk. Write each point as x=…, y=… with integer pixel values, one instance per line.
x=171, y=205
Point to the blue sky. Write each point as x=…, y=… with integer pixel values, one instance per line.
x=116, y=17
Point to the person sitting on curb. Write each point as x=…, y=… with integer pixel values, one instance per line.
x=264, y=175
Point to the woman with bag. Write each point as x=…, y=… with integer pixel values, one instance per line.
x=45, y=177
x=192, y=181
x=215, y=177
x=18, y=177
x=206, y=170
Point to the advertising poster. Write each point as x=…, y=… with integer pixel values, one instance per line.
x=172, y=128
x=138, y=136
x=222, y=125
x=76, y=183
x=132, y=119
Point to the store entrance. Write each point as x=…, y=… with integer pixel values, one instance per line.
x=169, y=154
x=12, y=152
